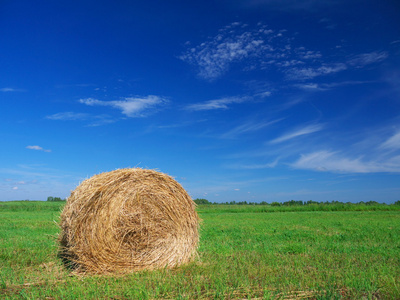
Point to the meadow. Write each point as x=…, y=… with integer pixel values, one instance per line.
x=246, y=252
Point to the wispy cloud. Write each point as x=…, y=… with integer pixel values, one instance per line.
x=130, y=106
x=311, y=72
x=68, y=116
x=335, y=162
x=364, y=59
x=222, y=103
x=310, y=86
x=38, y=148
x=357, y=61
x=393, y=142
x=264, y=94
x=328, y=23
x=261, y=48
x=95, y=120
x=248, y=127
x=297, y=132
x=372, y=154
x=269, y=165
x=233, y=43
x=304, y=54
x=101, y=120
x=8, y=89
x=326, y=86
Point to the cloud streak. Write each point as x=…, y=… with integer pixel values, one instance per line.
x=8, y=89
x=312, y=72
x=130, y=106
x=68, y=116
x=222, y=103
x=232, y=44
x=364, y=59
x=37, y=148
x=261, y=48
x=270, y=165
x=393, y=142
x=334, y=162
x=248, y=127
x=296, y=133
x=375, y=158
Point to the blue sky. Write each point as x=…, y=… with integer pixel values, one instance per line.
x=239, y=100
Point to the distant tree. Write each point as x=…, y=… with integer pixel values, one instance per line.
x=336, y=202
x=275, y=204
x=371, y=203
x=55, y=199
x=311, y=202
x=293, y=202
x=201, y=201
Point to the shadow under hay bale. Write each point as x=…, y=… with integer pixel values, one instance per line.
x=128, y=220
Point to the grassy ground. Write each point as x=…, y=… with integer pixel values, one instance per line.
x=245, y=253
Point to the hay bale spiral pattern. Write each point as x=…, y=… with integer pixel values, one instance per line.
x=128, y=220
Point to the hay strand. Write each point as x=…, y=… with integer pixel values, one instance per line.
x=128, y=220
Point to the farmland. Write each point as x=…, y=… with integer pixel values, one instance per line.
x=245, y=252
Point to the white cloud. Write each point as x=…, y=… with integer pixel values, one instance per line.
x=260, y=48
x=232, y=44
x=334, y=162
x=311, y=72
x=264, y=94
x=38, y=148
x=68, y=116
x=95, y=120
x=357, y=61
x=216, y=104
x=100, y=120
x=310, y=86
x=298, y=132
x=129, y=106
x=328, y=23
x=393, y=142
x=326, y=86
x=248, y=127
x=8, y=89
x=270, y=165
x=363, y=59
x=307, y=54
x=92, y=102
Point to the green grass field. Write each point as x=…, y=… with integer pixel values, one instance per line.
x=245, y=253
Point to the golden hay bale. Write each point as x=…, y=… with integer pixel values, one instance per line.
x=128, y=220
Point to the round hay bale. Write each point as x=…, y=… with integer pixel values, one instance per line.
x=128, y=220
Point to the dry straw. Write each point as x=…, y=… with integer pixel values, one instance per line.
x=128, y=220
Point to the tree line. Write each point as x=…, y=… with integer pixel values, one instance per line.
x=201, y=201
x=50, y=198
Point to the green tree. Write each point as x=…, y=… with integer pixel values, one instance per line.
x=50, y=198
x=201, y=201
